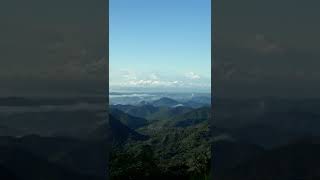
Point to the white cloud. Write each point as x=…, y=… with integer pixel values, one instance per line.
x=192, y=75
x=153, y=83
x=131, y=79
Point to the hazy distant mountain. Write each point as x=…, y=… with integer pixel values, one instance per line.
x=144, y=111
x=198, y=101
x=202, y=99
x=143, y=98
x=194, y=104
x=126, y=100
x=167, y=113
x=166, y=102
x=151, y=112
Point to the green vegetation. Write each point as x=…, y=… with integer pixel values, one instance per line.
x=169, y=152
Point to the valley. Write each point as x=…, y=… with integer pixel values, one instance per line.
x=162, y=137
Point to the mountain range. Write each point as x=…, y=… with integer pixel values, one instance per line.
x=177, y=136
x=269, y=138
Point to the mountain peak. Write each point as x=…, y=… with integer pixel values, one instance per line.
x=165, y=101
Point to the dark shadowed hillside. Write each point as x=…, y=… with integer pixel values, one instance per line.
x=7, y=174
x=116, y=132
x=62, y=152
x=129, y=120
x=26, y=165
x=261, y=139
x=294, y=161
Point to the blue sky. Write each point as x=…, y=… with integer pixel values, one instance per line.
x=160, y=44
